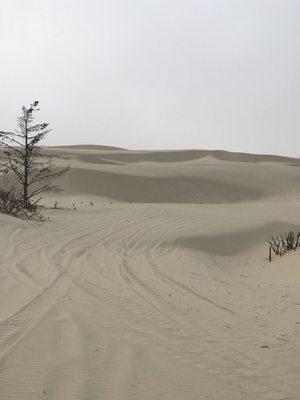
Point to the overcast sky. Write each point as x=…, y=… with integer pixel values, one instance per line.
x=156, y=74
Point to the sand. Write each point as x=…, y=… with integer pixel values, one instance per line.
x=161, y=288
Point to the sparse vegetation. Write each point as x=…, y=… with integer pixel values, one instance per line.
x=10, y=201
x=282, y=244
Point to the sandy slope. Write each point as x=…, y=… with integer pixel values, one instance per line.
x=166, y=297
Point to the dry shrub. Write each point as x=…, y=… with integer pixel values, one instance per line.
x=283, y=244
x=10, y=201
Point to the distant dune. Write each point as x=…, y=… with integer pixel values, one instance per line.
x=187, y=176
x=132, y=156
x=87, y=147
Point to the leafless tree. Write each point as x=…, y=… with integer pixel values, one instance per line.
x=24, y=157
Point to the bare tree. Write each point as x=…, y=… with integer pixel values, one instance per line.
x=24, y=157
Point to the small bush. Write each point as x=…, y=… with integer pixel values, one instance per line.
x=283, y=244
x=10, y=202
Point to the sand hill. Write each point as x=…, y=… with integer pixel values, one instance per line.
x=151, y=281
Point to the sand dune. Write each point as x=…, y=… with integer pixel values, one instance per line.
x=161, y=288
x=149, y=189
x=86, y=147
x=193, y=176
x=167, y=156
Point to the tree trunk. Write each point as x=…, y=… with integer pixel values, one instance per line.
x=25, y=184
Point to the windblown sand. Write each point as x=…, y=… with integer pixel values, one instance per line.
x=160, y=288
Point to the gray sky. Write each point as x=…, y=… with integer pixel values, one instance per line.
x=156, y=73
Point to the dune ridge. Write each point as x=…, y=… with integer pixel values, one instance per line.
x=193, y=176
